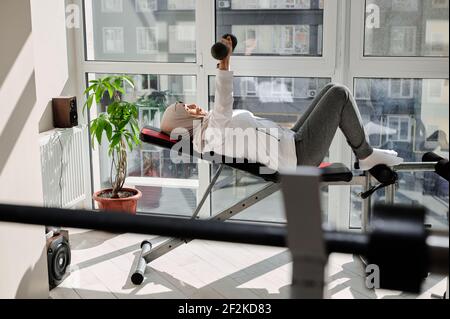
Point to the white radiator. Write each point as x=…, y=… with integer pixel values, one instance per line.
x=63, y=167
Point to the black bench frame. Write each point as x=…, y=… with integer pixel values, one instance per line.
x=331, y=174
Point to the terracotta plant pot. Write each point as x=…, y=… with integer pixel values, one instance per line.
x=125, y=205
x=150, y=196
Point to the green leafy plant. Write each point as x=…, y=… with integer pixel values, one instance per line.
x=119, y=124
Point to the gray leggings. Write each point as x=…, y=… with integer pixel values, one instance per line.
x=333, y=107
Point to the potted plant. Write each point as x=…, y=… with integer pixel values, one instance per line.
x=120, y=126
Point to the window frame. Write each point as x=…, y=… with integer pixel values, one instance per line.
x=360, y=66
x=386, y=67
x=342, y=60
x=205, y=66
x=310, y=66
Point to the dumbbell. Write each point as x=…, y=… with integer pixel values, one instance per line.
x=219, y=50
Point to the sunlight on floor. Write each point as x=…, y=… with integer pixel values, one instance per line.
x=101, y=267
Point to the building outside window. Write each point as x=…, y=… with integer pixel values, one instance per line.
x=247, y=4
x=401, y=88
x=112, y=6
x=408, y=28
x=297, y=32
x=152, y=95
x=113, y=41
x=182, y=38
x=400, y=115
x=403, y=41
x=146, y=27
x=181, y=4
x=251, y=86
x=146, y=5
x=283, y=88
x=363, y=90
x=405, y=5
x=440, y=4
x=274, y=99
x=436, y=38
x=146, y=40
x=287, y=53
x=269, y=4
x=402, y=126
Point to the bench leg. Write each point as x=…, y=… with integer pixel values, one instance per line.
x=148, y=254
x=207, y=191
x=138, y=274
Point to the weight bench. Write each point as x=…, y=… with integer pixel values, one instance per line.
x=332, y=173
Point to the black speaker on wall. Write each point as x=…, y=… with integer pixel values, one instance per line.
x=65, y=114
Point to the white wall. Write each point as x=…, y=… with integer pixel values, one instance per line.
x=33, y=68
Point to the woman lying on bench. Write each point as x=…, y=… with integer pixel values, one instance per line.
x=306, y=143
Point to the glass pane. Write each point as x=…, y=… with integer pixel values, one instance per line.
x=412, y=126
x=272, y=27
x=152, y=94
x=282, y=100
x=141, y=30
x=406, y=28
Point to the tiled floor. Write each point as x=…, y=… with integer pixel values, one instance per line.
x=101, y=264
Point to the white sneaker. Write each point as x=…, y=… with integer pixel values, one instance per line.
x=379, y=157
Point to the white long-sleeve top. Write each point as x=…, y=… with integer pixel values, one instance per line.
x=240, y=134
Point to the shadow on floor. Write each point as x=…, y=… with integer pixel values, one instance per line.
x=351, y=278
x=90, y=239
x=215, y=289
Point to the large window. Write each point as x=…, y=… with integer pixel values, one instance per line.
x=140, y=30
x=413, y=121
x=283, y=100
x=398, y=68
x=393, y=54
x=281, y=27
x=406, y=28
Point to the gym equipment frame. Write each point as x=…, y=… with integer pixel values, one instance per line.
x=331, y=175
x=308, y=242
x=404, y=253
